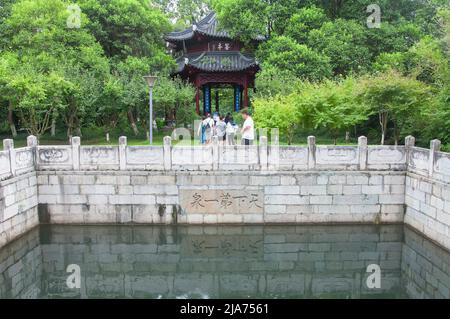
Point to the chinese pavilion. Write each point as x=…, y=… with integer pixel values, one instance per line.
x=209, y=58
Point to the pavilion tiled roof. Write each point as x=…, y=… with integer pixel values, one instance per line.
x=207, y=26
x=217, y=62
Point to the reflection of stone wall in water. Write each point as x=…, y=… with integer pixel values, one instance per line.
x=199, y=261
x=210, y=261
x=21, y=268
x=425, y=268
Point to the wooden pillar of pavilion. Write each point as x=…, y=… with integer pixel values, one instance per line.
x=237, y=98
x=206, y=99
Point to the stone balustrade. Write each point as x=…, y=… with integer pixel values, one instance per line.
x=213, y=157
x=214, y=184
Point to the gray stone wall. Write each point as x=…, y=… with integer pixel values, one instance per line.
x=233, y=184
x=427, y=193
x=18, y=206
x=222, y=197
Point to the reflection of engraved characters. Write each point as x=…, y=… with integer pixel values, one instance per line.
x=227, y=46
x=225, y=200
x=253, y=201
x=197, y=246
x=254, y=246
x=226, y=246
x=74, y=18
x=197, y=200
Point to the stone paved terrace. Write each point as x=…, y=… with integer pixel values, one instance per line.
x=214, y=184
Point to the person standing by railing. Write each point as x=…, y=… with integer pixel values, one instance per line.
x=248, y=129
x=208, y=124
x=201, y=132
x=221, y=130
x=230, y=130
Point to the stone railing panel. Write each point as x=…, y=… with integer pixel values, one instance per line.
x=99, y=157
x=339, y=157
x=145, y=157
x=24, y=160
x=54, y=158
x=192, y=158
x=442, y=166
x=238, y=157
x=5, y=166
x=386, y=157
x=288, y=158
x=418, y=160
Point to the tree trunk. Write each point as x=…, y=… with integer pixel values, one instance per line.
x=132, y=122
x=383, y=116
x=12, y=126
x=53, y=128
x=347, y=136
x=396, y=133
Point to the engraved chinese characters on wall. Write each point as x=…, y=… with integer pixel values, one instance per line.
x=222, y=201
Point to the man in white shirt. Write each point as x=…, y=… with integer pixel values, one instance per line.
x=248, y=129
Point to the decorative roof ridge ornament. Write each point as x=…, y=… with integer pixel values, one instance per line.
x=186, y=60
x=194, y=27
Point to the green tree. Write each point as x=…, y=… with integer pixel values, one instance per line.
x=392, y=38
x=276, y=112
x=301, y=23
x=331, y=105
x=49, y=56
x=285, y=54
x=174, y=100
x=344, y=42
x=271, y=81
x=128, y=27
x=243, y=19
x=184, y=12
x=395, y=99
